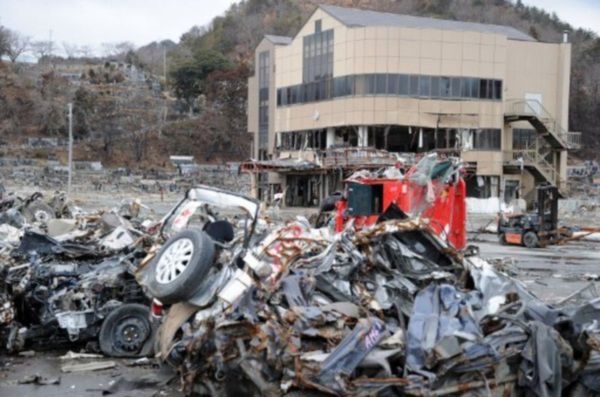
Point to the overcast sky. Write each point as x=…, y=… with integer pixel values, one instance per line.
x=93, y=22
x=579, y=13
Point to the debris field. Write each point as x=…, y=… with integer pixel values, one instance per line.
x=234, y=301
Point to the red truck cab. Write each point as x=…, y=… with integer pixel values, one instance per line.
x=434, y=192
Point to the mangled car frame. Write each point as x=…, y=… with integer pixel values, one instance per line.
x=392, y=309
x=69, y=282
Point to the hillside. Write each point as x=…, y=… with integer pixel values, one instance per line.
x=237, y=33
x=127, y=114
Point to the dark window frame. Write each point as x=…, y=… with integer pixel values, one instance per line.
x=413, y=87
x=369, y=84
x=425, y=86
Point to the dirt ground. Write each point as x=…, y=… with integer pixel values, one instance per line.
x=552, y=273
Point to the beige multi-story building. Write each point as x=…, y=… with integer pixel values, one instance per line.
x=353, y=84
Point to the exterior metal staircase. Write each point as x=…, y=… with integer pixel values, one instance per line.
x=538, y=158
x=547, y=127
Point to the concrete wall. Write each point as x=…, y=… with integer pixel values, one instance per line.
x=383, y=110
x=539, y=68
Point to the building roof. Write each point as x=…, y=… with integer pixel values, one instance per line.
x=278, y=40
x=354, y=17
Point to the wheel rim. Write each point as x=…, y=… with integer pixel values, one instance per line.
x=41, y=216
x=529, y=240
x=130, y=334
x=174, y=260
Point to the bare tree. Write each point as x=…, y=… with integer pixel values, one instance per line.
x=117, y=49
x=42, y=48
x=72, y=50
x=17, y=45
x=109, y=49
x=139, y=143
x=124, y=47
x=4, y=46
x=86, y=51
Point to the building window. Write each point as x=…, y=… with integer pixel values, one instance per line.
x=435, y=86
x=360, y=85
x=465, y=88
x=487, y=139
x=392, y=84
x=497, y=93
x=381, y=84
x=263, y=99
x=418, y=86
x=370, y=81
x=484, y=88
x=455, y=89
x=403, y=84
x=445, y=88
x=474, y=88
x=424, y=86
x=414, y=85
x=317, y=55
x=318, y=25
x=263, y=69
x=523, y=138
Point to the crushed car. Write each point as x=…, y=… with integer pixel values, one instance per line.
x=70, y=282
x=389, y=309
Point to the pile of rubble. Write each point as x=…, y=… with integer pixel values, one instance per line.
x=242, y=305
x=263, y=309
x=67, y=277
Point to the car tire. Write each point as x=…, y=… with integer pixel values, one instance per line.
x=180, y=266
x=38, y=211
x=530, y=239
x=127, y=332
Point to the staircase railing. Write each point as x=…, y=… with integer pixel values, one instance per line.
x=531, y=157
x=533, y=107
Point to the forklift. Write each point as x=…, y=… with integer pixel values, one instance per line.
x=538, y=228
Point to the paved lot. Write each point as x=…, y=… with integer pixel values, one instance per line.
x=552, y=273
x=14, y=370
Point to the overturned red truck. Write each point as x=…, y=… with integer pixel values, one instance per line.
x=432, y=189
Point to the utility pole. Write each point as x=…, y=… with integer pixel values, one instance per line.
x=164, y=64
x=50, y=48
x=70, y=149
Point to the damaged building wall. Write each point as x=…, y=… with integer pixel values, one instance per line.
x=359, y=71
